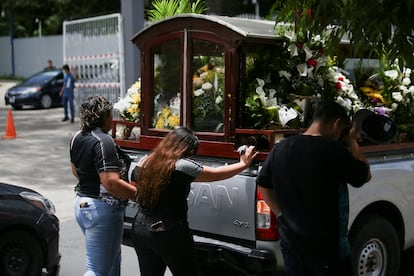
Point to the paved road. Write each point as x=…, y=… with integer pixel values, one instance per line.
x=38, y=159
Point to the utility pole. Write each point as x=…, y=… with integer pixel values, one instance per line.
x=39, y=21
x=133, y=21
x=11, y=37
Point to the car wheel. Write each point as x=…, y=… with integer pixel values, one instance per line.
x=375, y=247
x=20, y=254
x=46, y=101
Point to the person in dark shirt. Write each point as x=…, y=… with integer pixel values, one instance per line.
x=49, y=66
x=301, y=180
x=100, y=192
x=160, y=230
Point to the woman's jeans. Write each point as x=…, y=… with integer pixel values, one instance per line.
x=102, y=227
x=160, y=243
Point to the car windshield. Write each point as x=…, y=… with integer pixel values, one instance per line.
x=42, y=77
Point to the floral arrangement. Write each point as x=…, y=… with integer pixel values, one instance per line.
x=391, y=93
x=130, y=105
x=169, y=115
x=306, y=75
x=208, y=86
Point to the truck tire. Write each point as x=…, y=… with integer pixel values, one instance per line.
x=20, y=254
x=375, y=247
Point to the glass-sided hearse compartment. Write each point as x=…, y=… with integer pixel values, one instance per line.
x=196, y=70
x=208, y=73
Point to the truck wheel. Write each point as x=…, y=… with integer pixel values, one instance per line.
x=375, y=247
x=20, y=254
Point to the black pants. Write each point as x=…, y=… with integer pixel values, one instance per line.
x=171, y=245
x=302, y=265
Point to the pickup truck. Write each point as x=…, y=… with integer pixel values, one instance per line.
x=202, y=71
x=235, y=231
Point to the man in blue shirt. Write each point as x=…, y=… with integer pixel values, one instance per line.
x=67, y=94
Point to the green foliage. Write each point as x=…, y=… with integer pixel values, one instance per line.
x=165, y=8
x=51, y=13
x=373, y=27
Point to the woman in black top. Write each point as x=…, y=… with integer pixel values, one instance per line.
x=99, y=209
x=161, y=234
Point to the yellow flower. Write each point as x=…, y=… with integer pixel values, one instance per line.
x=372, y=93
x=160, y=123
x=173, y=121
x=165, y=112
x=136, y=98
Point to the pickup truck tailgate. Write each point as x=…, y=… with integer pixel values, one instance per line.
x=224, y=207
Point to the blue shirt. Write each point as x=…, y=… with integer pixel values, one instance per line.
x=69, y=85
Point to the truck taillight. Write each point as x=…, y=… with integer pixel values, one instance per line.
x=266, y=222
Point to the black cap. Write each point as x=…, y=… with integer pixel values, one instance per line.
x=375, y=128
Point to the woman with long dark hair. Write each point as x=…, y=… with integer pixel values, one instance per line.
x=161, y=234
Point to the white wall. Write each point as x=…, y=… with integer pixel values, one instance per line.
x=30, y=54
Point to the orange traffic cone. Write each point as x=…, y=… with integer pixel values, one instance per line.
x=10, y=130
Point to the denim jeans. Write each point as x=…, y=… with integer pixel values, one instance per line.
x=171, y=246
x=65, y=101
x=102, y=227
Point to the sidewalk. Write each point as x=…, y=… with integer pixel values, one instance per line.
x=4, y=85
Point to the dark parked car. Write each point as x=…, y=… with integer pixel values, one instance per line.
x=29, y=233
x=40, y=90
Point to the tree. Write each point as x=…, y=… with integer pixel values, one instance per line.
x=164, y=8
x=374, y=27
x=51, y=13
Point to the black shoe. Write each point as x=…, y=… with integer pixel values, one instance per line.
x=65, y=119
x=72, y=121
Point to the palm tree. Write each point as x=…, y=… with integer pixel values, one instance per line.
x=165, y=8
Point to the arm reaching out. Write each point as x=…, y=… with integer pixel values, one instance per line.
x=223, y=172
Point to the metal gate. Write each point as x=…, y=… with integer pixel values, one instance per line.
x=94, y=46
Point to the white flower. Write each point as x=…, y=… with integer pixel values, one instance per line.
x=393, y=74
x=204, y=75
x=285, y=74
x=198, y=92
x=308, y=52
x=293, y=49
x=316, y=38
x=406, y=81
x=285, y=115
x=219, y=99
x=394, y=106
x=345, y=102
x=207, y=86
x=407, y=72
x=397, y=96
x=411, y=89
x=321, y=61
x=122, y=104
x=260, y=82
x=302, y=69
x=175, y=105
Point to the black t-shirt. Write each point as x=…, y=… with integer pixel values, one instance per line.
x=91, y=153
x=172, y=202
x=305, y=173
